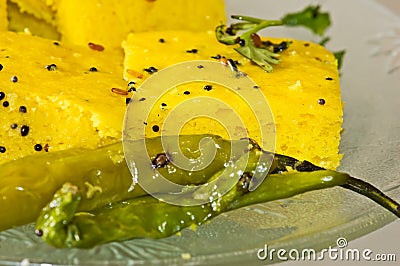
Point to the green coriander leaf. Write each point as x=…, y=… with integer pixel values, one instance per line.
x=224, y=37
x=339, y=55
x=311, y=18
x=262, y=57
x=325, y=40
x=244, y=34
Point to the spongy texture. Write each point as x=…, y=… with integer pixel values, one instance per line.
x=303, y=90
x=65, y=105
x=108, y=22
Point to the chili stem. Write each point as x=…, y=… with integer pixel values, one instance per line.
x=373, y=193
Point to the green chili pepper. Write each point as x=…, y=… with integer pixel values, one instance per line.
x=61, y=225
x=101, y=175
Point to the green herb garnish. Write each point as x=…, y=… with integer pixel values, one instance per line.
x=250, y=44
x=339, y=57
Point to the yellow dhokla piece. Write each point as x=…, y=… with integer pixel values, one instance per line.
x=3, y=15
x=19, y=21
x=40, y=9
x=307, y=127
x=51, y=95
x=108, y=22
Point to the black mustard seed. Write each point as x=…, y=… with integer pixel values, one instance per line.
x=321, y=101
x=38, y=147
x=39, y=232
x=51, y=67
x=151, y=70
x=192, y=51
x=22, y=109
x=208, y=87
x=24, y=130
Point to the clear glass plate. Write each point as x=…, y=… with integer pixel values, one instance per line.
x=370, y=144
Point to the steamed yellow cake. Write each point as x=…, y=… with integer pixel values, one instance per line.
x=55, y=96
x=40, y=9
x=20, y=21
x=303, y=90
x=108, y=22
x=3, y=15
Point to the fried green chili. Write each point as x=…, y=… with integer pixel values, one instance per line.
x=62, y=225
x=101, y=175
